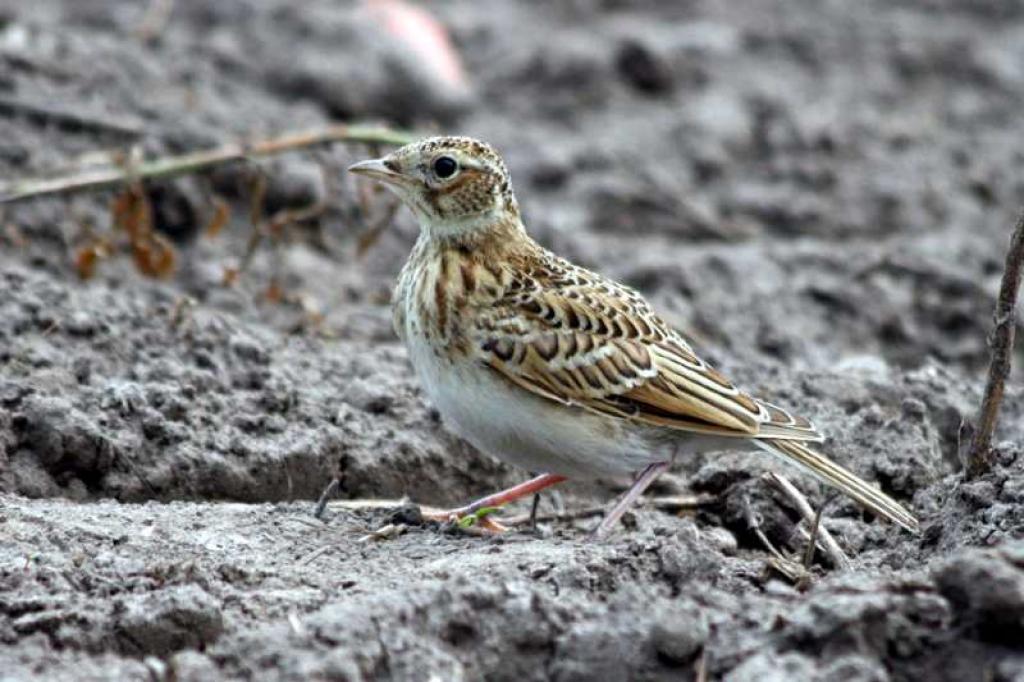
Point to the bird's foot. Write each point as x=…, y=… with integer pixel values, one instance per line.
x=478, y=514
x=466, y=517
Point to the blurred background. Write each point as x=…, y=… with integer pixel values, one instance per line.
x=801, y=186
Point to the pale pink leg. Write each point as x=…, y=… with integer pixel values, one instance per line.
x=498, y=499
x=645, y=479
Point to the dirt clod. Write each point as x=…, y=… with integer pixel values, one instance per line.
x=168, y=620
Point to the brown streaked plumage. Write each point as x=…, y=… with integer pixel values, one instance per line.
x=553, y=367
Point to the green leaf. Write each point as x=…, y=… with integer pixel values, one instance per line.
x=471, y=519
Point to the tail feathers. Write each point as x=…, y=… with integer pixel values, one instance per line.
x=775, y=431
x=829, y=472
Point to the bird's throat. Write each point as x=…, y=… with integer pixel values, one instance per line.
x=484, y=230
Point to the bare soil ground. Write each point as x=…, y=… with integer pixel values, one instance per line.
x=819, y=193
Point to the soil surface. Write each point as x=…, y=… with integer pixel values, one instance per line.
x=820, y=194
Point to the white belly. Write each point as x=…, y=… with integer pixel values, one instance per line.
x=529, y=431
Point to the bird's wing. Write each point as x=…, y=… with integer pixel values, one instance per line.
x=570, y=335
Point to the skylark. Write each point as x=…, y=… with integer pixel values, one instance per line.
x=554, y=368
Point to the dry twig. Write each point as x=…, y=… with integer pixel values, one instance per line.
x=701, y=670
x=669, y=503
x=363, y=505
x=272, y=227
x=325, y=496
x=173, y=166
x=980, y=456
x=832, y=548
x=812, y=539
x=392, y=530
x=793, y=571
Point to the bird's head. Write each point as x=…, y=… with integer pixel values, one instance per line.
x=454, y=185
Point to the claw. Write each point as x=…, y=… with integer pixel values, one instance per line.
x=491, y=525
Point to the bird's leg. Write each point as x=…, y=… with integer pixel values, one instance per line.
x=533, y=511
x=646, y=478
x=497, y=500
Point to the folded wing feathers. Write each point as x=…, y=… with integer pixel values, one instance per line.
x=614, y=357
x=545, y=351
x=693, y=385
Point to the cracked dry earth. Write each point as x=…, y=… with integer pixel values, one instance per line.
x=819, y=193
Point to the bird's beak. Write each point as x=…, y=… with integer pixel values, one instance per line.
x=378, y=170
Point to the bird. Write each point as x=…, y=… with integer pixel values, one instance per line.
x=554, y=368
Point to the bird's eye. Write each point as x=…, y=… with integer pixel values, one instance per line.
x=445, y=167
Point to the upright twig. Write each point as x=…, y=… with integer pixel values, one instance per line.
x=702, y=666
x=980, y=456
x=534, y=507
x=325, y=497
x=193, y=162
x=812, y=541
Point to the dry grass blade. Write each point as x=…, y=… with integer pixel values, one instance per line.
x=980, y=456
x=788, y=568
x=391, y=530
x=835, y=553
x=363, y=505
x=680, y=503
x=792, y=570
